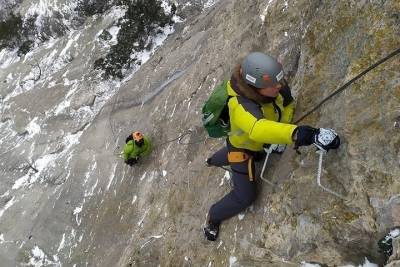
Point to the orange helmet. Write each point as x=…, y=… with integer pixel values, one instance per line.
x=137, y=136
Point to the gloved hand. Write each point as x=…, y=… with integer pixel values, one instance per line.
x=327, y=139
x=323, y=138
x=131, y=161
x=305, y=136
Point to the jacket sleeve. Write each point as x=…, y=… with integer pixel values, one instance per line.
x=127, y=151
x=263, y=130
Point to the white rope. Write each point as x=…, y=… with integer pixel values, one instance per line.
x=268, y=151
x=321, y=153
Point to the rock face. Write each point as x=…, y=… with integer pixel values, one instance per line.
x=87, y=208
x=394, y=260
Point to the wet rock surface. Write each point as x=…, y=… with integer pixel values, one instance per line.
x=79, y=204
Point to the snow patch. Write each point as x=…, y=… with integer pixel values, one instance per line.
x=232, y=260
x=39, y=258
x=366, y=263
x=140, y=222
x=210, y=3
x=395, y=233
x=76, y=212
x=143, y=176
x=8, y=57
x=70, y=42
x=33, y=128
x=166, y=6
x=62, y=243
x=46, y=161
x=144, y=56
x=9, y=77
x=8, y=205
x=306, y=264
x=91, y=192
x=111, y=178
x=227, y=177
x=114, y=30
x=265, y=12
x=5, y=194
x=90, y=170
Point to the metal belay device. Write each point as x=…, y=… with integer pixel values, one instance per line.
x=325, y=140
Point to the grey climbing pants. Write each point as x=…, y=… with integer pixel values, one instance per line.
x=243, y=193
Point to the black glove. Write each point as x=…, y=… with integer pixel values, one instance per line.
x=327, y=139
x=305, y=136
x=131, y=161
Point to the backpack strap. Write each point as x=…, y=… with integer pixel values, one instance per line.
x=286, y=94
x=250, y=106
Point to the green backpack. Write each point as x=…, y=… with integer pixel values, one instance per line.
x=216, y=113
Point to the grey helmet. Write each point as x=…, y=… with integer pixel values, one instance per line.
x=261, y=70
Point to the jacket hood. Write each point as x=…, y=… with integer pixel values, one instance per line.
x=245, y=90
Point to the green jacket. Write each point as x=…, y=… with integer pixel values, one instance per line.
x=131, y=150
x=254, y=124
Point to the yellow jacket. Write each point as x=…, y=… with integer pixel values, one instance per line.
x=253, y=124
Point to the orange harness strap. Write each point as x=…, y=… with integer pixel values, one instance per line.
x=237, y=157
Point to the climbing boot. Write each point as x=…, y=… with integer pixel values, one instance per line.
x=211, y=231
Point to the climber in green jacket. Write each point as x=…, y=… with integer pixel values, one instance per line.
x=136, y=146
x=260, y=111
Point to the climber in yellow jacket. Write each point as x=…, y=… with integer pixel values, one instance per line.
x=260, y=111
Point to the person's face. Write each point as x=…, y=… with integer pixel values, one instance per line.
x=271, y=91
